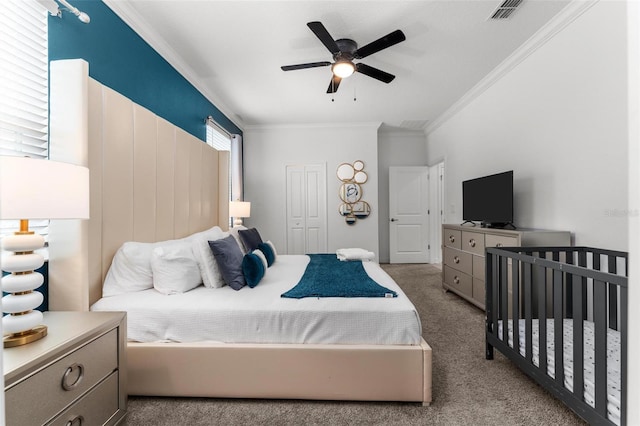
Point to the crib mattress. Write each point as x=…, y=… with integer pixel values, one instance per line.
x=613, y=359
x=260, y=315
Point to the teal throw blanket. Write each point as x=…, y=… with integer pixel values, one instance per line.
x=326, y=276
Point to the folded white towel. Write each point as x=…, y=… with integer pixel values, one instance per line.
x=355, y=254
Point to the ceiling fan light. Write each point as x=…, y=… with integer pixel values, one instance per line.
x=343, y=69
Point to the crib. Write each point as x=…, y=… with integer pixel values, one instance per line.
x=560, y=314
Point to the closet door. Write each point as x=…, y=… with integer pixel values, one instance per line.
x=306, y=209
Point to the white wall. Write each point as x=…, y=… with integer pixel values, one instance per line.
x=559, y=120
x=267, y=150
x=396, y=147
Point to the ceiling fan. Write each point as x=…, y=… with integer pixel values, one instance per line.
x=345, y=51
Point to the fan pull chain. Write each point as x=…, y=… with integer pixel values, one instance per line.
x=354, y=93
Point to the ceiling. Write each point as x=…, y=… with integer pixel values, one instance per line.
x=232, y=52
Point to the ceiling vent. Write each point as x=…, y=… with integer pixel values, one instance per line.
x=506, y=8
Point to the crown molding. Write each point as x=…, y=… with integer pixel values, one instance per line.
x=565, y=17
x=132, y=18
x=371, y=125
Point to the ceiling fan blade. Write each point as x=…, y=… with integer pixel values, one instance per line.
x=303, y=66
x=375, y=73
x=333, y=85
x=321, y=32
x=382, y=43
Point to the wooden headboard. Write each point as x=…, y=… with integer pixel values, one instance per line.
x=150, y=181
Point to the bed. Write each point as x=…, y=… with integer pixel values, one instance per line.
x=560, y=314
x=151, y=182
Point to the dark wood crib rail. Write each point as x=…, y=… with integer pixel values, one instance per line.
x=556, y=283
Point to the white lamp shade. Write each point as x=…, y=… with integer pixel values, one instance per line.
x=239, y=209
x=42, y=189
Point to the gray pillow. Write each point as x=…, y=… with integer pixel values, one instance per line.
x=250, y=239
x=229, y=259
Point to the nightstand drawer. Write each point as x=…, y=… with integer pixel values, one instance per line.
x=458, y=260
x=452, y=238
x=94, y=408
x=500, y=241
x=47, y=392
x=458, y=281
x=473, y=242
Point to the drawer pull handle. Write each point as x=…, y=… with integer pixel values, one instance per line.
x=472, y=242
x=456, y=259
x=452, y=238
x=76, y=421
x=65, y=379
x=456, y=280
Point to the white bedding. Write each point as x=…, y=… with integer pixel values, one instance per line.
x=613, y=359
x=260, y=315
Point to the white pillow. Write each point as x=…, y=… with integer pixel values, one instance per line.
x=211, y=276
x=130, y=270
x=174, y=268
x=234, y=231
x=260, y=254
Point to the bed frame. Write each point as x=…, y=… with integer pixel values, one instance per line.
x=151, y=181
x=556, y=283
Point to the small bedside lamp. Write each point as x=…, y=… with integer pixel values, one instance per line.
x=33, y=189
x=238, y=210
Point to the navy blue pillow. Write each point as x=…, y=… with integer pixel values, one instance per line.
x=250, y=239
x=253, y=269
x=229, y=259
x=268, y=253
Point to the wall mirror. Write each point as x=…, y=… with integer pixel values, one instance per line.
x=352, y=177
x=345, y=172
x=360, y=177
x=361, y=209
x=350, y=192
x=344, y=209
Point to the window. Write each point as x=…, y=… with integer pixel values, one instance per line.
x=218, y=138
x=24, y=103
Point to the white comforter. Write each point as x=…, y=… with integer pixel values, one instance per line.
x=260, y=315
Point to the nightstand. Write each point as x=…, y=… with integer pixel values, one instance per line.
x=76, y=375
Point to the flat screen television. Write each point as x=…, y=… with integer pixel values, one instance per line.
x=489, y=200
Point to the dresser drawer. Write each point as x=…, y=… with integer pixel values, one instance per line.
x=59, y=384
x=478, y=267
x=473, y=242
x=452, y=238
x=500, y=241
x=479, y=291
x=94, y=408
x=459, y=260
x=458, y=281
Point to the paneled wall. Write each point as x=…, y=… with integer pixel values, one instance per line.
x=150, y=180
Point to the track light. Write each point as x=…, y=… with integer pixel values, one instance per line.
x=83, y=17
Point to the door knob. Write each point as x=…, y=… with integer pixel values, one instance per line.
x=393, y=219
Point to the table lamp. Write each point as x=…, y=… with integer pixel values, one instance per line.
x=238, y=210
x=33, y=189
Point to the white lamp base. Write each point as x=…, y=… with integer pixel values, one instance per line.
x=237, y=222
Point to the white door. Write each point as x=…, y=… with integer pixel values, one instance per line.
x=306, y=209
x=436, y=211
x=408, y=216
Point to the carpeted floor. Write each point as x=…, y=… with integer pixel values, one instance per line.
x=467, y=389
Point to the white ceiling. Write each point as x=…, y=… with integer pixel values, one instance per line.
x=232, y=52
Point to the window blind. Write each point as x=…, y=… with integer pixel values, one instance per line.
x=24, y=87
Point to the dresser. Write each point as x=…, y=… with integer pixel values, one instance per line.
x=463, y=255
x=76, y=375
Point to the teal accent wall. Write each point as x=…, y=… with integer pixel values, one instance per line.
x=120, y=59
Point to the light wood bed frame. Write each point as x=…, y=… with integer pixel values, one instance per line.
x=151, y=181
